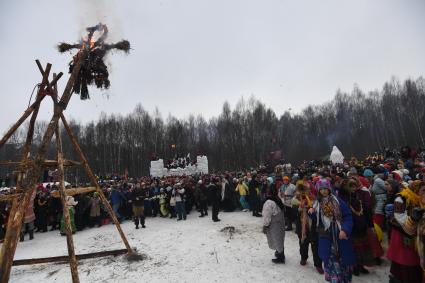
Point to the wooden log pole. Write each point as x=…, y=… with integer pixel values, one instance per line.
x=12, y=211
x=69, y=241
x=11, y=226
x=74, y=191
x=24, y=116
x=65, y=259
x=9, y=197
x=46, y=164
x=55, y=194
x=30, y=180
x=34, y=107
x=95, y=183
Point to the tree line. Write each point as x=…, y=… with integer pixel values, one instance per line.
x=245, y=136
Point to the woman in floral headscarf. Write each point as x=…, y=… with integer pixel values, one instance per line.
x=335, y=224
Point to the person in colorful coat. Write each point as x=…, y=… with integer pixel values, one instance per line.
x=335, y=225
x=242, y=189
x=305, y=225
x=405, y=261
x=420, y=240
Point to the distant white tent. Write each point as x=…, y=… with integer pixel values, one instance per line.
x=336, y=156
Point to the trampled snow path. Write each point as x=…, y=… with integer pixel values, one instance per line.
x=186, y=251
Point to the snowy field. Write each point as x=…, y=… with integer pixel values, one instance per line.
x=194, y=250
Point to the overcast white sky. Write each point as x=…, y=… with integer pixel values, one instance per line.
x=189, y=56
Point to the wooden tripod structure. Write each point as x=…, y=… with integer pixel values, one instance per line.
x=30, y=170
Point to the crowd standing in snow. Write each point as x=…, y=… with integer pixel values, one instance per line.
x=344, y=214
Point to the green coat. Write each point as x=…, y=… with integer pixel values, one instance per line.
x=71, y=215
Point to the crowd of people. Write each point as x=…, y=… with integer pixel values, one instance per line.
x=349, y=215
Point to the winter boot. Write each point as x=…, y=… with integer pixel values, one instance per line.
x=394, y=280
x=21, y=239
x=280, y=258
x=142, y=221
x=356, y=271
x=31, y=234
x=363, y=269
x=320, y=269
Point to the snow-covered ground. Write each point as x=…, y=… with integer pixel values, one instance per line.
x=194, y=250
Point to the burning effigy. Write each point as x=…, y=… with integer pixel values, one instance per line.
x=94, y=70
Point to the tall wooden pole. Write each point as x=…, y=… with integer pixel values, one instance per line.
x=24, y=116
x=27, y=147
x=94, y=182
x=33, y=108
x=28, y=183
x=66, y=216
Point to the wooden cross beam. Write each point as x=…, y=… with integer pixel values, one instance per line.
x=46, y=164
x=55, y=194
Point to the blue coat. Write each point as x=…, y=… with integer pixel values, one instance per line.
x=116, y=196
x=345, y=247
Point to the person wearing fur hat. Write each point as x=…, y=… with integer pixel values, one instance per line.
x=334, y=224
x=305, y=225
x=70, y=203
x=405, y=261
x=274, y=225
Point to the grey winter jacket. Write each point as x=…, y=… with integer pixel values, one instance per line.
x=378, y=190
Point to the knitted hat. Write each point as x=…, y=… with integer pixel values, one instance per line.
x=368, y=173
x=323, y=184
